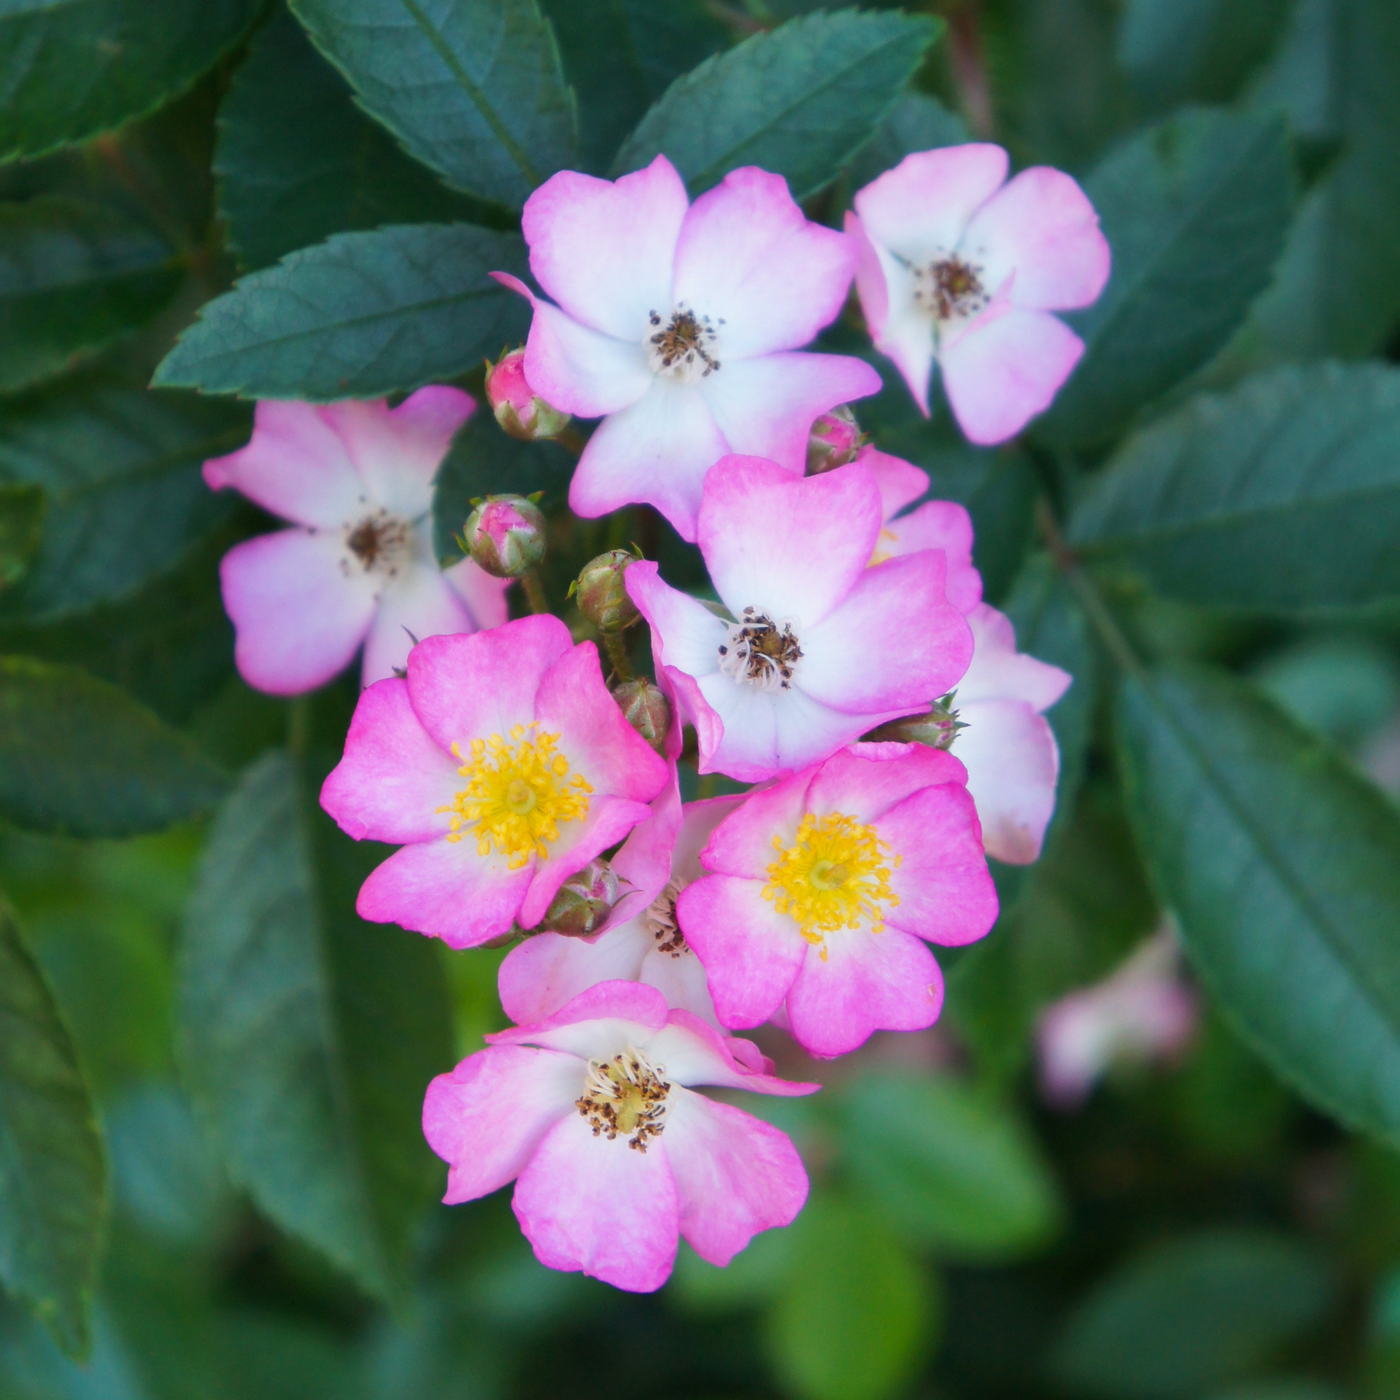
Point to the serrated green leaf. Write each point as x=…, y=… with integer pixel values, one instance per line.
x=297, y=160
x=72, y=68
x=1195, y=211
x=800, y=100
x=473, y=88
x=78, y=755
x=73, y=277
x=361, y=315
x=1191, y=1315
x=121, y=471
x=951, y=1169
x=1282, y=495
x=309, y=1036
x=21, y=527
x=53, y=1193
x=1282, y=866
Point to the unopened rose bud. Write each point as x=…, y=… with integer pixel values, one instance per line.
x=937, y=729
x=646, y=709
x=518, y=408
x=601, y=593
x=584, y=901
x=505, y=535
x=835, y=440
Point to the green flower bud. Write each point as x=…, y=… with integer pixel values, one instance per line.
x=937, y=729
x=602, y=594
x=646, y=709
x=584, y=901
x=505, y=535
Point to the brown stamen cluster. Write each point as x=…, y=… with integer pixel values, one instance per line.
x=625, y=1096
x=661, y=920
x=953, y=288
x=379, y=541
x=684, y=341
x=760, y=651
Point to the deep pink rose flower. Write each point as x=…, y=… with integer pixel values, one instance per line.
x=957, y=264
x=356, y=480
x=678, y=324
x=592, y=1114
x=824, y=888
x=501, y=765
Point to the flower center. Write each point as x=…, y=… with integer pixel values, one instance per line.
x=380, y=543
x=661, y=922
x=625, y=1096
x=683, y=347
x=516, y=795
x=950, y=289
x=759, y=651
x=835, y=875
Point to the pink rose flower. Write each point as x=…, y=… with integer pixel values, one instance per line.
x=957, y=264
x=824, y=648
x=592, y=1114
x=501, y=765
x=824, y=888
x=549, y=970
x=678, y=325
x=356, y=479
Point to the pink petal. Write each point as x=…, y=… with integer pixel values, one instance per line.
x=788, y=545
x=868, y=982
x=654, y=453
x=604, y=250
x=894, y=643
x=734, y=1176
x=742, y=843
x=900, y=482
x=922, y=206
x=546, y=972
x=691, y=703
x=299, y=618
x=680, y=978
x=866, y=781
x=751, y=953
x=871, y=286
x=393, y=777
x=686, y=634
x=897, y=325
x=999, y=672
x=1013, y=764
x=602, y=1207
x=487, y=1118
x=698, y=824
x=484, y=595
x=643, y=865
x=575, y=368
x=466, y=688
x=945, y=891
x=1002, y=371
x=941, y=525
x=765, y=407
x=295, y=465
x=419, y=603
x=597, y=1024
x=1041, y=228
x=444, y=889
x=749, y=260
x=696, y=1053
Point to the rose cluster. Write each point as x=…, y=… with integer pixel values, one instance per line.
x=849, y=671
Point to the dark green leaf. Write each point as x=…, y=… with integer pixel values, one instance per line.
x=78, y=755
x=360, y=315
x=53, y=1193
x=1191, y=1315
x=473, y=88
x=621, y=55
x=855, y=1311
x=1282, y=495
x=1196, y=211
x=309, y=1036
x=953, y=1169
x=121, y=471
x=21, y=526
x=485, y=461
x=799, y=101
x=72, y=68
x=1283, y=867
x=297, y=160
x=73, y=277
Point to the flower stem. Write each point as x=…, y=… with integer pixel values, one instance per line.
x=617, y=654
x=531, y=582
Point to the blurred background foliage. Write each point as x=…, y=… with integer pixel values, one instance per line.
x=212, y=1182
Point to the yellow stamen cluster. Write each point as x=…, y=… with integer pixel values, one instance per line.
x=516, y=795
x=835, y=875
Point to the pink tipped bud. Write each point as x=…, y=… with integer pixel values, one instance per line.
x=646, y=709
x=584, y=901
x=937, y=729
x=505, y=535
x=518, y=409
x=602, y=596
x=835, y=440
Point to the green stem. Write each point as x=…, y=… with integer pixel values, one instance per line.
x=617, y=654
x=299, y=726
x=531, y=582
